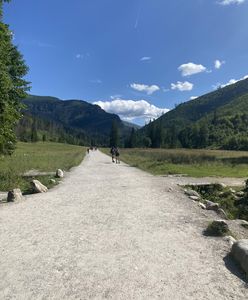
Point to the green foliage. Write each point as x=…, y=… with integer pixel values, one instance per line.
x=218, y=120
x=12, y=87
x=216, y=229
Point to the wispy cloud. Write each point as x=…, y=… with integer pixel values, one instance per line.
x=182, y=86
x=193, y=97
x=149, y=89
x=191, y=69
x=229, y=2
x=145, y=58
x=97, y=81
x=138, y=16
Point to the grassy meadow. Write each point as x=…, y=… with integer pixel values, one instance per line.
x=44, y=157
x=195, y=163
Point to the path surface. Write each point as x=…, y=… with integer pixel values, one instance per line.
x=111, y=232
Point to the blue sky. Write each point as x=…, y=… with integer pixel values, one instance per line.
x=136, y=58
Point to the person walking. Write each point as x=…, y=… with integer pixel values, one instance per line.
x=117, y=155
x=112, y=151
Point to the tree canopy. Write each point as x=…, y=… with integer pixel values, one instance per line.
x=12, y=86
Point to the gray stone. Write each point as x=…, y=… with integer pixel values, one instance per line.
x=38, y=187
x=240, y=253
x=59, y=173
x=232, y=191
x=222, y=213
x=223, y=185
x=14, y=195
x=195, y=198
x=53, y=181
x=212, y=206
x=231, y=240
x=203, y=206
x=192, y=193
x=240, y=194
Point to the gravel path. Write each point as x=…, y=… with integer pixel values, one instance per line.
x=112, y=232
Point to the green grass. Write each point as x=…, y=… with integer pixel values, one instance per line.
x=195, y=163
x=45, y=157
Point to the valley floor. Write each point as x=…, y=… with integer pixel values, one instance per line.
x=112, y=231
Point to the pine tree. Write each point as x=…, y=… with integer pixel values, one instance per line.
x=12, y=87
x=114, y=135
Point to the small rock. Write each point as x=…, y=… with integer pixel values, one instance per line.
x=243, y=222
x=203, y=206
x=52, y=181
x=59, y=173
x=192, y=193
x=14, y=195
x=223, y=185
x=195, y=198
x=231, y=240
x=38, y=187
x=211, y=205
x=240, y=194
x=232, y=191
x=240, y=253
x=222, y=214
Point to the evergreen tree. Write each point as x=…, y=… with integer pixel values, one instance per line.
x=114, y=135
x=34, y=134
x=12, y=87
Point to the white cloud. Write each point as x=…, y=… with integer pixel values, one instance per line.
x=229, y=2
x=149, y=89
x=193, y=97
x=231, y=81
x=191, y=68
x=145, y=58
x=130, y=109
x=79, y=56
x=182, y=86
x=218, y=63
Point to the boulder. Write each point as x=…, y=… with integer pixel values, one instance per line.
x=192, y=193
x=14, y=195
x=222, y=213
x=203, y=206
x=212, y=206
x=240, y=253
x=195, y=198
x=59, y=173
x=38, y=187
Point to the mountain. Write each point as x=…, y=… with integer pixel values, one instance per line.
x=73, y=121
x=216, y=120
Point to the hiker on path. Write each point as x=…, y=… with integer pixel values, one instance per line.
x=117, y=155
x=112, y=151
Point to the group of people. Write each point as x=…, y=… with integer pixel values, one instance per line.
x=115, y=153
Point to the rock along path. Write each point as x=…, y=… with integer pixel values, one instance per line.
x=111, y=232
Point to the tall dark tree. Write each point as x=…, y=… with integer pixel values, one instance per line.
x=12, y=87
x=114, y=135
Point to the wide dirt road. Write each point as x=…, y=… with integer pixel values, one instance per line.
x=111, y=231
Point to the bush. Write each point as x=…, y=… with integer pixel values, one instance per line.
x=217, y=228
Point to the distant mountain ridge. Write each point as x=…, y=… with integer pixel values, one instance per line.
x=72, y=119
x=216, y=120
